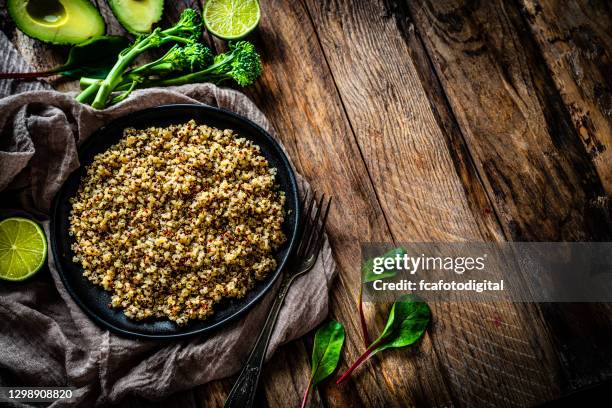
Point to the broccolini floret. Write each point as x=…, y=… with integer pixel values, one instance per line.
x=190, y=58
x=241, y=64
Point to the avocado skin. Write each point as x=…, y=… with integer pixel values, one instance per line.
x=57, y=38
x=123, y=18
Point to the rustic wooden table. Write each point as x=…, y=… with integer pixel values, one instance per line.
x=438, y=120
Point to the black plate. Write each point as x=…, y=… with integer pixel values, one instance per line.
x=93, y=299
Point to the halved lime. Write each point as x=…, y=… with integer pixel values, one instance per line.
x=231, y=19
x=23, y=248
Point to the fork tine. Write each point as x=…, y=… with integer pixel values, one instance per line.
x=312, y=226
x=304, y=220
x=317, y=242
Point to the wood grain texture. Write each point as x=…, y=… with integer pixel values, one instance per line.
x=526, y=149
x=575, y=38
x=514, y=123
x=429, y=190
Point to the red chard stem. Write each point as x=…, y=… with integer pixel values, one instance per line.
x=306, y=393
x=357, y=363
x=25, y=75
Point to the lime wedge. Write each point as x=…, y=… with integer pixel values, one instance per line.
x=23, y=248
x=231, y=19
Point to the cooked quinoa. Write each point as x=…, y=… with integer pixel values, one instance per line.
x=172, y=220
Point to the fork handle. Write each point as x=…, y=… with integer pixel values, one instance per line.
x=243, y=392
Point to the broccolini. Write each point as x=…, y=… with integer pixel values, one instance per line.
x=186, y=31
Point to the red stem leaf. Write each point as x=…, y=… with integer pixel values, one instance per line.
x=357, y=363
x=306, y=393
x=25, y=75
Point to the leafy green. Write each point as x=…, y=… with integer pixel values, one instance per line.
x=92, y=58
x=407, y=322
x=368, y=275
x=367, y=270
x=326, y=350
x=328, y=343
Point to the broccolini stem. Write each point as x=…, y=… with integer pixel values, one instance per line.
x=84, y=82
x=125, y=94
x=114, y=77
x=199, y=76
x=146, y=67
x=89, y=92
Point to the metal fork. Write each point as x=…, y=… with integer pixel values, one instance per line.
x=311, y=240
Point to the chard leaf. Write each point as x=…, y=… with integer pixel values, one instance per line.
x=368, y=275
x=406, y=324
x=367, y=270
x=92, y=58
x=328, y=343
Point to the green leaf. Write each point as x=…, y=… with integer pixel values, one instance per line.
x=406, y=324
x=367, y=270
x=328, y=343
x=93, y=58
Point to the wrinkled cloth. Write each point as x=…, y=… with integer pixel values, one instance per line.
x=45, y=338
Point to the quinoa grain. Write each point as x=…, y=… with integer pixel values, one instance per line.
x=172, y=220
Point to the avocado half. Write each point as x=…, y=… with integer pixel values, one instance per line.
x=137, y=16
x=57, y=21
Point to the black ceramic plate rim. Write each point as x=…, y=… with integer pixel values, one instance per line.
x=121, y=121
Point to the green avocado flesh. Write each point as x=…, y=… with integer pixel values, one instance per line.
x=57, y=21
x=137, y=16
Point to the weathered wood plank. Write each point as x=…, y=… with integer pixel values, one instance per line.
x=213, y=394
x=532, y=162
x=284, y=380
x=429, y=191
x=478, y=200
x=279, y=385
x=575, y=38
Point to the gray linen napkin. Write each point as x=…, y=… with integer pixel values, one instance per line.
x=46, y=340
